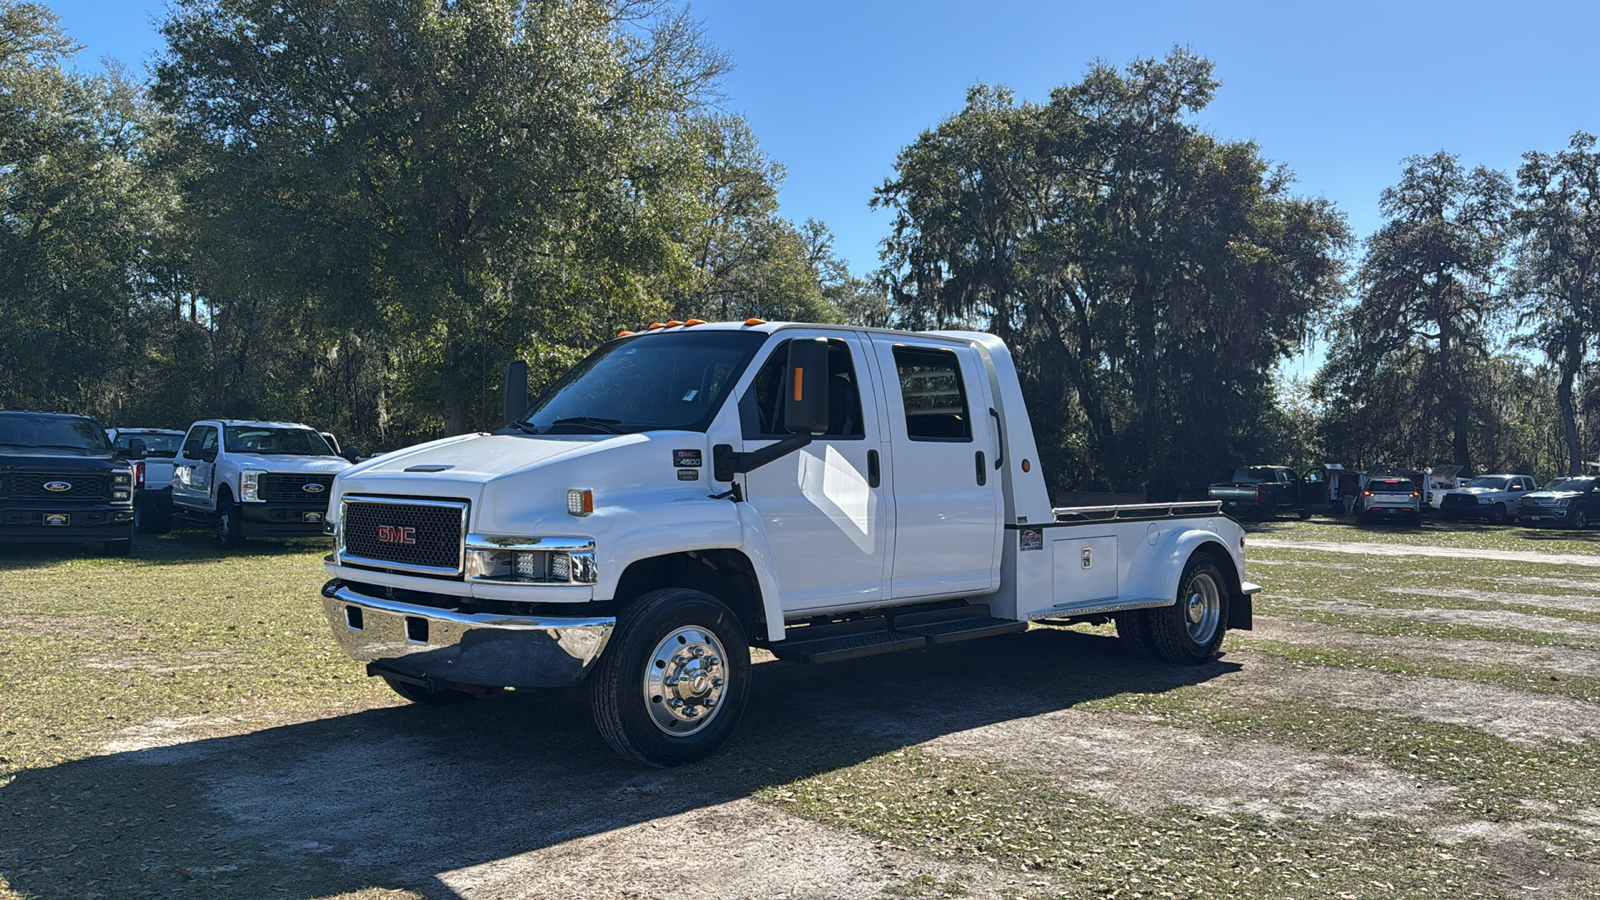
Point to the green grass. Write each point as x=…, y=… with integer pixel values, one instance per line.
x=959, y=809
x=1434, y=532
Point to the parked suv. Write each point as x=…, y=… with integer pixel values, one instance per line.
x=254, y=479
x=1497, y=498
x=1389, y=498
x=1574, y=502
x=60, y=482
x=152, y=474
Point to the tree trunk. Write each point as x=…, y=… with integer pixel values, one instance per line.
x=1570, y=358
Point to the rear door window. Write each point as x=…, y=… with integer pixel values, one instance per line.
x=935, y=399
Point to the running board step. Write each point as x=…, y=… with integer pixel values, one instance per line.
x=846, y=640
x=951, y=630
x=898, y=631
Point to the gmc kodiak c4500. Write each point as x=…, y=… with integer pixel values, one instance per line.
x=694, y=490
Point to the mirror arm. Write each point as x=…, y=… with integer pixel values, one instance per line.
x=725, y=463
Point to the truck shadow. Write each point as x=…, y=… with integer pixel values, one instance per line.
x=400, y=797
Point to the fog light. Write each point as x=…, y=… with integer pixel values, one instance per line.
x=119, y=495
x=560, y=567
x=529, y=565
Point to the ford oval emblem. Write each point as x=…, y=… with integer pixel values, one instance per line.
x=312, y=488
x=58, y=486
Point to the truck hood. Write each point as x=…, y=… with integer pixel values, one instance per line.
x=530, y=475
x=1475, y=491
x=281, y=462
x=1552, y=495
x=35, y=458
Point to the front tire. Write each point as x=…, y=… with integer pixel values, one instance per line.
x=229, y=526
x=1498, y=516
x=1191, y=630
x=672, y=685
x=1580, y=520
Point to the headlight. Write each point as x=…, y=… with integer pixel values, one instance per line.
x=1483, y=499
x=121, y=479
x=250, y=487
x=1564, y=502
x=530, y=560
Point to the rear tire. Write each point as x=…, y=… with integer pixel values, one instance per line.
x=1133, y=627
x=1191, y=630
x=1305, y=514
x=146, y=513
x=673, y=682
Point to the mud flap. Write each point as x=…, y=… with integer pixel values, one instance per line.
x=1241, y=612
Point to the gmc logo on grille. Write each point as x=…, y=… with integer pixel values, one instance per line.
x=394, y=534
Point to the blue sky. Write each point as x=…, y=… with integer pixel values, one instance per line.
x=1341, y=92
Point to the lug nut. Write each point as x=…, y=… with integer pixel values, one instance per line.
x=698, y=652
x=675, y=703
x=713, y=661
x=716, y=682
x=691, y=712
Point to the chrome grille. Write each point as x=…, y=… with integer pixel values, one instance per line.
x=278, y=487
x=424, y=536
x=85, y=486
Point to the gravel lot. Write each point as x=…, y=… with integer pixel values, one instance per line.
x=1411, y=717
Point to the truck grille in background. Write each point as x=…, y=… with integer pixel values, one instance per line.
x=280, y=488
x=85, y=486
x=1462, y=500
x=435, y=529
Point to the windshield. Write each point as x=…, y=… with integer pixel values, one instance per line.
x=269, y=440
x=1570, y=484
x=651, y=382
x=158, y=445
x=1488, y=481
x=52, y=432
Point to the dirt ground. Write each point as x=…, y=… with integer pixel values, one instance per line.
x=517, y=797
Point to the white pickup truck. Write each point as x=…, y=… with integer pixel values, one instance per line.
x=691, y=491
x=254, y=479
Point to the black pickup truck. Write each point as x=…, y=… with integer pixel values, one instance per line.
x=61, y=482
x=1261, y=492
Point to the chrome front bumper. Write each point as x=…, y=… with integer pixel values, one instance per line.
x=464, y=648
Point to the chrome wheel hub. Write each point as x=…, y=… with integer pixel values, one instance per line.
x=1202, y=608
x=684, y=681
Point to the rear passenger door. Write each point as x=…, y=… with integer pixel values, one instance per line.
x=946, y=490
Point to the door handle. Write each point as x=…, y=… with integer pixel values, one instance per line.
x=983, y=475
x=873, y=476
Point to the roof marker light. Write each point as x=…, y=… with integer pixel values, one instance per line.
x=655, y=325
x=674, y=323
x=695, y=322
x=749, y=322
x=624, y=333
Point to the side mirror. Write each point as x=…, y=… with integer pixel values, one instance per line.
x=137, y=449
x=209, y=454
x=805, y=396
x=351, y=453
x=191, y=450
x=516, y=392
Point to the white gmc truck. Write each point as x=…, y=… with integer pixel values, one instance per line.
x=694, y=490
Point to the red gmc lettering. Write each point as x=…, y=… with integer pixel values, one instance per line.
x=394, y=534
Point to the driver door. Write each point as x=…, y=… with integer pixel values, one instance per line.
x=824, y=509
x=192, y=475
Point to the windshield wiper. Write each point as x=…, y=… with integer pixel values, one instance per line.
x=598, y=424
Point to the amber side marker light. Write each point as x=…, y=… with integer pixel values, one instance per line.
x=799, y=380
x=580, y=501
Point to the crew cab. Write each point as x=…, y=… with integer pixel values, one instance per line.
x=1497, y=498
x=61, y=482
x=254, y=479
x=691, y=491
x=1573, y=502
x=152, y=473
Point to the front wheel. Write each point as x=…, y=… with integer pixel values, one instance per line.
x=1191, y=630
x=1580, y=520
x=230, y=529
x=672, y=684
x=1498, y=515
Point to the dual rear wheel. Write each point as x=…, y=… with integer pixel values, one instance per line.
x=1191, y=630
